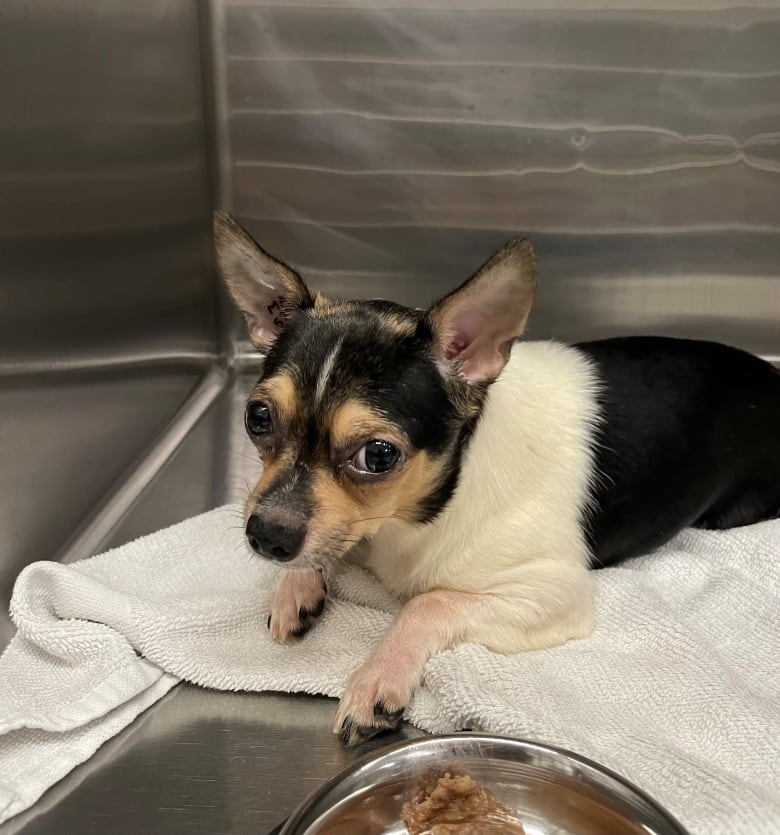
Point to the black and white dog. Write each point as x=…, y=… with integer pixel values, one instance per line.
x=487, y=475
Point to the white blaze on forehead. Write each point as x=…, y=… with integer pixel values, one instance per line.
x=325, y=371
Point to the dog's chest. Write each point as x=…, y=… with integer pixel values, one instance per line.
x=405, y=561
x=524, y=481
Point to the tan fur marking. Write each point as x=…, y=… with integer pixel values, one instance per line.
x=323, y=306
x=354, y=421
x=337, y=512
x=402, y=494
x=356, y=509
x=280, y=390
x=272, y=466
x=399, y=325
x=419, y=478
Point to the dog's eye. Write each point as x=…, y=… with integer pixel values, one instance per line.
x=376, y=457
x=258, y=419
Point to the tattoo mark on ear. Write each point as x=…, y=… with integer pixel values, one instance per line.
x=276, y=304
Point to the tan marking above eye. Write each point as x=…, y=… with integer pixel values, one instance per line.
x=355, y=421
x=280, y=391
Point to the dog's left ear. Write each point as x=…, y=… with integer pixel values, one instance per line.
x=265, y=290
x=475, y=325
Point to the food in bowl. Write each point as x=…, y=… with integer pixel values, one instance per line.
x=455, y=804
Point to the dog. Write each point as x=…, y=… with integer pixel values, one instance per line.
x=486, y=475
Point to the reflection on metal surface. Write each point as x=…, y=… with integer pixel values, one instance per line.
x=554, y=792
x=103, y=203
x=201, y=762
x=216, y=463
x=385, y=149
x=106, y=274
x=108, y=515
x=64, y=441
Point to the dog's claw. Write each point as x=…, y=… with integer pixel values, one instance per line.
x=318, y=609
x=301, y=630
x=394, y=716
x=383, y=719
x=352, y=733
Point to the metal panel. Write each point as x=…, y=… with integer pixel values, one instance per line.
x=215, y=464
x=64, y=442
x=386, y=148
x=107, y=285
x=103, y=184
x=201, y=762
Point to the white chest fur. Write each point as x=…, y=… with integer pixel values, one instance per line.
x=524, y=481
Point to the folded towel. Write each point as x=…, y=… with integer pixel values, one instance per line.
x=678, y=688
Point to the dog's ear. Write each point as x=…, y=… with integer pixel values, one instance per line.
x=475, y=325
x=265, y=290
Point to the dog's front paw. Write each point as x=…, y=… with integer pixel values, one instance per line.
x=374, y=702
x=297, y=603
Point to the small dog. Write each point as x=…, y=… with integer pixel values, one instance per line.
x=487, y=475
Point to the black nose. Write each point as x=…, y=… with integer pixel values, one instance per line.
x=273, y=540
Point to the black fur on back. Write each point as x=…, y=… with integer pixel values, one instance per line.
x=689, y=436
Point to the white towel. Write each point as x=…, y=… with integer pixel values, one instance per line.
x=678, y=688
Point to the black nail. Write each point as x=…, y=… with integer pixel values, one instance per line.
x=303, y=613
x=318, y=609
x=394, y=716
x=268, y=622
x=352, y=734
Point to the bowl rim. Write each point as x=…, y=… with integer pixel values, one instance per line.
x=387, y=750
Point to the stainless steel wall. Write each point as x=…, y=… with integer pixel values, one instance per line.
x=386, y=147
x=106, y=281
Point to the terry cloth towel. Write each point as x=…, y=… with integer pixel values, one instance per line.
x=678, y=688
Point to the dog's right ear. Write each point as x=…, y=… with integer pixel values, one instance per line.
x=265, y=290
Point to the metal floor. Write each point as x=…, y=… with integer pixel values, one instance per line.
x=198, y=761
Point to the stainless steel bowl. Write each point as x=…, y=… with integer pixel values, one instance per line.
x=554, y=791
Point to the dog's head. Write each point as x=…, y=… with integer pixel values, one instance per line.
x=363, y=407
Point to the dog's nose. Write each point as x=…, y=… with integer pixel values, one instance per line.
x=273, y=540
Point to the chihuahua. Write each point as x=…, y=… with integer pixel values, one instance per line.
x=486, y=475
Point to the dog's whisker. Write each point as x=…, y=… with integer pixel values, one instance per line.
x=247, y=456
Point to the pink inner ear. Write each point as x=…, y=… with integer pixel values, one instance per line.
x=476, y=344
x=465, y=328
x=455, y=348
